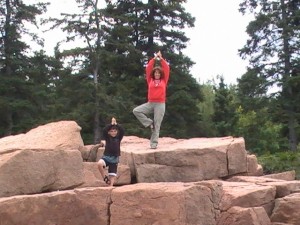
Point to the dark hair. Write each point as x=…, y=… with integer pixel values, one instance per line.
x=160, y=71
x=113, y=127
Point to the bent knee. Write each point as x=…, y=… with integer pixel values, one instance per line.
x=135, y=111
x=101, y=163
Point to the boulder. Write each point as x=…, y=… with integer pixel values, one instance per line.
x=184, y=160
x=286, y=209
x=92, y=177
x=163, y=204
x=36, y=171
x=198, y=181
x=74, y=207
x=246, y=195
x=244, y=216
x=46, y=158
x=62, y=135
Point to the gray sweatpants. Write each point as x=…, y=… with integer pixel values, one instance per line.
x=143, y=112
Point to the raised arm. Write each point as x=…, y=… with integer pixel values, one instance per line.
x=121, y=131
x=118, y=126
x=164, y=65
x=108, y=126
x=149, y=69
x=166, y=68
x=105, y=131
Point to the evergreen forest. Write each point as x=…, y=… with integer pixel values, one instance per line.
x=104, y=75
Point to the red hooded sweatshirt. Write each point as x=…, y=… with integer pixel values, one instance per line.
x=157, y=91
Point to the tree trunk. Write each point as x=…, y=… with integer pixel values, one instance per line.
x=9, y=120
x=97, y=132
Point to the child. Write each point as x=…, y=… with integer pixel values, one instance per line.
x=112, y=134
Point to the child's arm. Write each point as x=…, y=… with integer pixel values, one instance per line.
x=120, y=128
x=121, y=132
x=108, y=126
x=105, y=131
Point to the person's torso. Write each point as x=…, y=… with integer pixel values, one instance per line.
x=112, y=146
x=157, y=91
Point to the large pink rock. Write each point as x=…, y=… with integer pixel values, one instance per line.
x=244, y=216
x=92, y=177
x=287, y=209
x=46, y=158
x=76, y=207
x=253, y=168
x=283, y=187
x=246, y=195
x=287, y=175
x=36, y=171
x=163, y=204
x=184, y=160
x=50, y=158
x=57, y=135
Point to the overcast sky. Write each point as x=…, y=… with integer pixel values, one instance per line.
x=218, y=34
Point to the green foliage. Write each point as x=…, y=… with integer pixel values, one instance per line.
x=260, y=115
x=281, y=162
x=20, y=95
x=206, y=108
x=182, y=116
x=261, y=135
x=272, y=49
x=119, y=40
x=252, y=91
x=224, y=109
x=104, y=77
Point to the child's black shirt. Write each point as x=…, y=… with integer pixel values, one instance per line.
x=112, y=146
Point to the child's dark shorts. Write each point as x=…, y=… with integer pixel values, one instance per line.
x=112, y=163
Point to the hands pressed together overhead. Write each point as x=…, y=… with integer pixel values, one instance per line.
x=158, y=55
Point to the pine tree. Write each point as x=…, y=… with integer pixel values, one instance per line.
x=16, y=83
x=273, y=50
x=87, y=61
x=149, y=26
x=115, y=54
x=224, y=109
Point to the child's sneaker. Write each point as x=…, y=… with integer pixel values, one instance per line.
x=106, y=179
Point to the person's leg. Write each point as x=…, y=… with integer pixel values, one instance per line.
x=112, y=180
x=112, y=172
x=159, y=112
x=141, y=113
x=101, y=167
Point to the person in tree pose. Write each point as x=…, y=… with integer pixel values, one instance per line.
x=113, y=134
x=157, y=79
